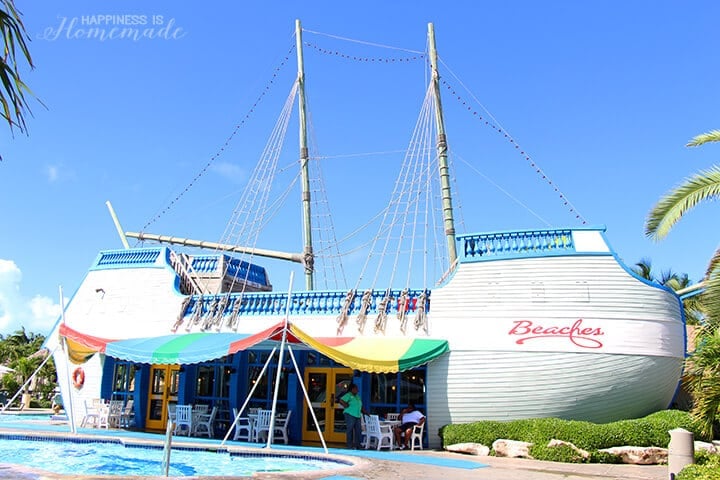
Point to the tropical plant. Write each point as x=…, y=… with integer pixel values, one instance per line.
x=22, y=351
x=13, y=98
x=705, y=363
x=693, y=306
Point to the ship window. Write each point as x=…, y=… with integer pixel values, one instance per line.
x=537, y=292
x=582, y=292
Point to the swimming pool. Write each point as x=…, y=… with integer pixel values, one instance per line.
x=92, y=457
x=24, y=417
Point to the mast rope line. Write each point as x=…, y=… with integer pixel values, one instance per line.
x=405, y=193
x=501, y=189
x=224, y=145
x=495, y=125
x=363, y=42
x=326, y=248
x=254, y=201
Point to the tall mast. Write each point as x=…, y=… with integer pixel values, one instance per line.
x=308, y=256
x=448, y=220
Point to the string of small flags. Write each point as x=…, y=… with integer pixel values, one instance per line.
x=364, y=59
x=525, y=155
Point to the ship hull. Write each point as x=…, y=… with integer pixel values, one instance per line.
x=571, y=334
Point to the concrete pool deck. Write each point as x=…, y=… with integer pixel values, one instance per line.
x=370, y=464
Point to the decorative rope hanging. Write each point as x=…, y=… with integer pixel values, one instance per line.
x=382, y=308
x=196, y=315
x=365, y=303
x=421, y=313
x=402, y=306
x=181, y=315
x=347, y=305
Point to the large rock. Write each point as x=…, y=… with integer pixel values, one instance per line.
x=469, y=448
x=639, y=455
x=559, y=443
x=512, y=448
x=708, y=447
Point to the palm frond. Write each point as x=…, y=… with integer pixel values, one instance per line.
x=704, y=380
x=711, y=297
x=644, y=269
x=12, y=95
x=703, y=138
x=704, y=185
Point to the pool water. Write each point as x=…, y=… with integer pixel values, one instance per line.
x=24, y=417
x=99, y=458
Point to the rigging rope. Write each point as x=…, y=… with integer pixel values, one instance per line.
x=252, y=209
x=494, y=124
x=329, y=265
x=363, y=42
x=221, y=150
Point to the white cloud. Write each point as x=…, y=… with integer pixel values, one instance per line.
x=58, y=173
x=37, y=314
x=52, y=172
x=232, y=172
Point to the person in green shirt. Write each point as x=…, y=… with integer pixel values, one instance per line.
x=353, y=411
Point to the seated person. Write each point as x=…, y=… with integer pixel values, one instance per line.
x=57, y=403
x=409, y=417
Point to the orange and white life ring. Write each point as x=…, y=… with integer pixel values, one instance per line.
x=78, y=378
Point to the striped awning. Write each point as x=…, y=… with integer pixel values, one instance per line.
x=367, y=354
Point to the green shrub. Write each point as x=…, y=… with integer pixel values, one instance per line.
x=561, y=453
x=707, y=468
x=604, y=457
x=650, y=431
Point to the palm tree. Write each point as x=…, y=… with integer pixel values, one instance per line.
x=13, y=101
x=705, y=369
x=24, y=368
x=644, y=269
x=693, y=306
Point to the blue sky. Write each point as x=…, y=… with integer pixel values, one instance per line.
x=602, y=95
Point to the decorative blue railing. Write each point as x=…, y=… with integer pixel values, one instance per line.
x=130, y=257
x=306, y=303
x=530, y=243
x=210, y=264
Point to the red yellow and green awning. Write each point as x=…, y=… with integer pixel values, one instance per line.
x=367, y=354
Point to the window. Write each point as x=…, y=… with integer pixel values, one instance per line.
x=391, y=392
x=123, y=380
x=265, y=385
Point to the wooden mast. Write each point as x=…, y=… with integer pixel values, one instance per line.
x=448, y=220
x=308, y=256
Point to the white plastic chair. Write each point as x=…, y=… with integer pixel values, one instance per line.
x=115, y=409
x=280, y=431
x=183, y=420
x=128, y=414
x=379, y=435
x=242, y=424
x=171, y=411
x=392, y=417
x=262, y=424
x=103, y=415
x=92, y=416
x=417, y=436
x=203, y=423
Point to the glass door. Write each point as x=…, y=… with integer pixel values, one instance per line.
x=324, y=386
x=164, y=381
